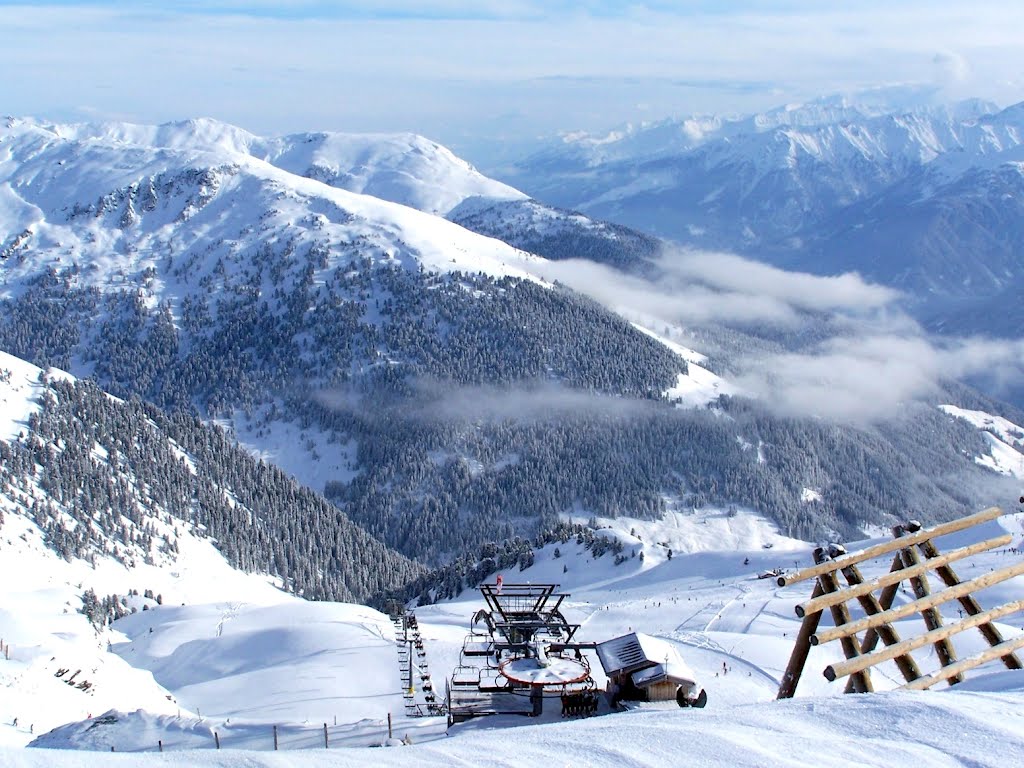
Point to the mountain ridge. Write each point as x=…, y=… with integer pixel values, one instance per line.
x=434, y=386
x=924, y=199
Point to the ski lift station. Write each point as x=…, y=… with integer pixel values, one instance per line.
x=521, y=651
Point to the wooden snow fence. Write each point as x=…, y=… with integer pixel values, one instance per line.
x=914, y=555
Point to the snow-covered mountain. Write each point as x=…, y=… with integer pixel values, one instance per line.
x=403, y=168
x=926, y=200
x=73, y=191
x=759, y=178
x=426, y=378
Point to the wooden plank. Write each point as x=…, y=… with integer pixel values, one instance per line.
x=885, y=600
x=798, y=658
x=991, y=654
x=890, y=546
x=887, y=633
x=843, y=668
x=937, y=598
x=970, y=604
x=930, y=614
x=841, y=615
x=894, y=577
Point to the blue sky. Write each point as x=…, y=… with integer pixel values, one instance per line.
x=483, y=75
x=426, y=9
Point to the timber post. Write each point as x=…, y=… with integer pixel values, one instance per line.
x=932, y=617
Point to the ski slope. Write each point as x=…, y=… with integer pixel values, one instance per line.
x=237, y=667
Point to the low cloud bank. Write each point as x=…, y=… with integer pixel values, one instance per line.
x=871, y=378
x=435, y=400
x=700, y=286
x=874, y=360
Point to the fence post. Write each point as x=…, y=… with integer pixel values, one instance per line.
x=325, y=736
x=390, y=735
x=275, y=738
x=216, y=739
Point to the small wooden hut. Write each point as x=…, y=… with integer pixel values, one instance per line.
x=645, y=668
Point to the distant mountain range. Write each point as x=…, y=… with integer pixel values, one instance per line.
x=426, y=378
x=927, y=200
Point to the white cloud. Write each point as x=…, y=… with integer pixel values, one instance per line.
x=872, y=378
x=450, y=402
x=700, y=286
x=951, y=68
x=875, y=360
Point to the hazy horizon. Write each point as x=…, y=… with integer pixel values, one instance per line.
x=487, y=78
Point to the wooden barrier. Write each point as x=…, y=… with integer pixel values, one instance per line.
x=908, y=609
x=876, y=597
x=843, y=668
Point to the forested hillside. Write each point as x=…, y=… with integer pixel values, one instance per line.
x=103, y=477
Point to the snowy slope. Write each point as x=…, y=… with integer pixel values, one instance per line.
x=60, y=667
x=1006, y=439
x=42, y=592
x=291, y=661
x=19, y=393
x=40, y=621
x=978, y=728
x=403, y=168
x=116, y=208
x=297, y=665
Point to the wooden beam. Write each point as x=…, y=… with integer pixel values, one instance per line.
x=1007, y=646
x=843, y=668
x=930, y=614
x=798, y=658
x=890, y=546
x=907, y=609
x=894, y=577
x=871, y=638
x=888, y=634
x=970, y=604
x=851, y=647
